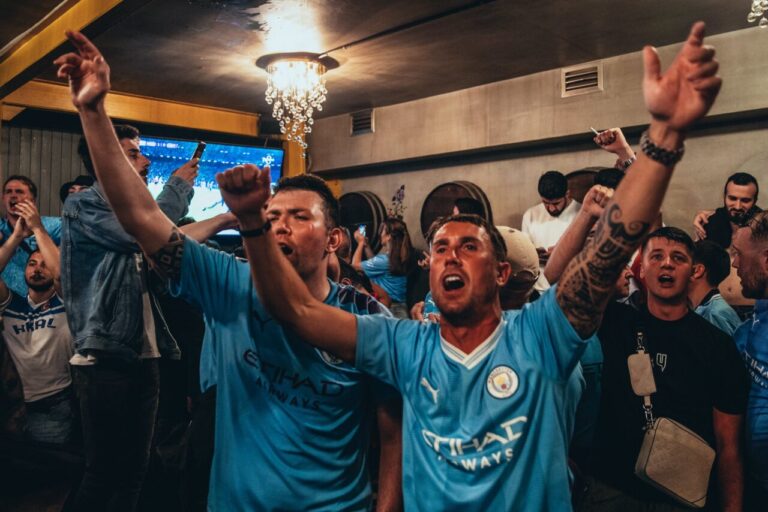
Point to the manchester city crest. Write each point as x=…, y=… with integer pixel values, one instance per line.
x=502, y=382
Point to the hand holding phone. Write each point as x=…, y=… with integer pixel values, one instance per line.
x=199, y=150
x=361, y=229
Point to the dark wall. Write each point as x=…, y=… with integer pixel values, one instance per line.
x=47, y=156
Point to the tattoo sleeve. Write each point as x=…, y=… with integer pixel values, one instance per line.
x=167, y=260
x=588, y=282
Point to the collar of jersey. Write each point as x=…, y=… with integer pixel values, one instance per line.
x=474, y=358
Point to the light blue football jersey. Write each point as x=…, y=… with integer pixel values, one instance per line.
x=487, y=430
x=292, y=422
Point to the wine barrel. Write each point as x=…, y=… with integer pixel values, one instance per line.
x=579, y=182
x=440, y=201
x=363, y=208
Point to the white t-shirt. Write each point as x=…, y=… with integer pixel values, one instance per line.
x=40, y=344
x=545, y=230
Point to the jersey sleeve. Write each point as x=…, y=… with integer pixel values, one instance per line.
x=731, y=387
x=549, y=338
x=376, y=266
x=53, y=226
x=387, y=346
x=213, y=280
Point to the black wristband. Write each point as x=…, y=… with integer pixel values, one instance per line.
x=252, y=233
x=665, y=157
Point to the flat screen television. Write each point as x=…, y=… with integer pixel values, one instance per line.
x=167, y=155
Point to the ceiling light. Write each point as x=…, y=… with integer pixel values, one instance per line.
x=759, y=7
x=295, y=89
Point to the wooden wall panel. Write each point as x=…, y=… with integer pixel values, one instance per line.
x=47, y=157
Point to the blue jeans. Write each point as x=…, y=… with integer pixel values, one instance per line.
x=50, y=419
x=118, y=405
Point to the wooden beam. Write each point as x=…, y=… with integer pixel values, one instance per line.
x=10, y=111
x=35, y=52
x=335, y=186
x=294, y=162
x=54, y=96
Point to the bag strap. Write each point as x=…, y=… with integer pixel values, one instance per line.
x=647, y=405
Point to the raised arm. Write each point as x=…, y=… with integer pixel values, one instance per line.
x=613, y=141
x=675, y=100
x=137, y=211
x=203, y=230
x=45, y=243
x=574, y=237
x=245, y=190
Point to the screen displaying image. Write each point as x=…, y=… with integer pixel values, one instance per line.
x=167, y=155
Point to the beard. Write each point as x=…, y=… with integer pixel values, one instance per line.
x=756, y=287
x=39, y=285
x=738, y=217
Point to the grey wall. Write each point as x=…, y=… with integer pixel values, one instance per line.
x=48, y=157
x=511, y=184
x=529, y=109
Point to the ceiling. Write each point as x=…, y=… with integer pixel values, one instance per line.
x=202, y=51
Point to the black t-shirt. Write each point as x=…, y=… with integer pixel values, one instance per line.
x=696, y=367
x=718, y=228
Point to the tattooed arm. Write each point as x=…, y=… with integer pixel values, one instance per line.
x=136, y=210
x=675, y=100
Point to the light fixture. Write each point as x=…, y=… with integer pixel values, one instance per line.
x=759, y=8
x=295, y=89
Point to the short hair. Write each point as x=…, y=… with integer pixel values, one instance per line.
x=126, y=131
x=29, y=257
x=319, y=187
x=356, y=278
x=25, y=180
x=609, y=177
x=123, y=131
x=470, y=205
x=758, y=225
x=499, y=247
x=553, y=185
x=742, y=178
x=673, y=234
x=715, y=260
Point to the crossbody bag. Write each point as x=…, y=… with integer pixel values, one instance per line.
x=672, y=458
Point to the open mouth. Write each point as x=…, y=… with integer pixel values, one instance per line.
x=666, y=279
x=286, y=250
x=453, y=282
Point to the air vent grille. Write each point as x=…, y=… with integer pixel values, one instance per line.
x=582, y=79
x=361, y=122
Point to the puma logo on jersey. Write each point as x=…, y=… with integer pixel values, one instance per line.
x=425, y=383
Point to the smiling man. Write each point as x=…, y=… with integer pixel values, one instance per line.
x=484, y=391
x=739, y=205
x=700, y=382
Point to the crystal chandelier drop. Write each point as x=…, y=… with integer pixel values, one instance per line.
x=759, y=8
x=296, y=89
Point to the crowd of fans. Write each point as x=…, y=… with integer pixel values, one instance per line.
x=502, y=369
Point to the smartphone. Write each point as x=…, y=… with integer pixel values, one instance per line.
x=361, y=229
x=199, y=150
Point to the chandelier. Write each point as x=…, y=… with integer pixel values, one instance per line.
x=296, y=89
x=759, y=8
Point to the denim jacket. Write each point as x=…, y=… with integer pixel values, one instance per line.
x=101, y=274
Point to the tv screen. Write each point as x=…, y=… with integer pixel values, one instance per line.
x=167, y=155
